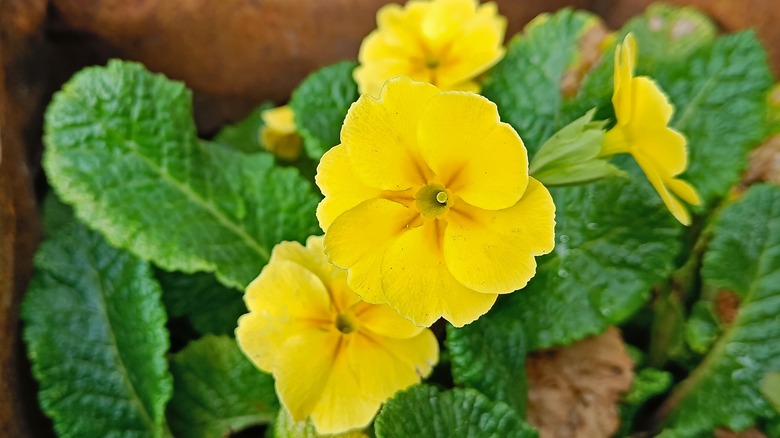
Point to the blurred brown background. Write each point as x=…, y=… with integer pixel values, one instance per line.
x=233, y=54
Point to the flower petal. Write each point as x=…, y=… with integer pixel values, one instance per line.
x=476, y=156
x=418, y=285
x=400, y=27
x=380, y=135
x=381, y=319
x=444, y=21
x=383, y=365
x=310, y=257
x=678, y=210
x=283, y=300
x=477, y=47
x=342, y=405
x=341, y=187
x=304, y=367
x=493, y=251
x=357, y=241
x=625, y=60
x=648, y=130
x=288, y=288
x=683, y=190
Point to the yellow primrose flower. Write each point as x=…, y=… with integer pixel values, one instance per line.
x=447, y=43
x=279, y=136
x=428, y=203
x=643, y=112
x=335, y=358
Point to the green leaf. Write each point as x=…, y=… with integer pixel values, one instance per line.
x=667, y=34
x=770, y=389
x=217, y=390
x=489, y=355
x=121, y=148
x=647, y=384
x=320, y=104
x=96, y=337
x=773, y=109
x=424, y=411
x=209, y=306
x=702, y=328
x=614, y=241
x=57, y=215
x=744, y=259
x=526, y=84
x=719, y=93
x=245, y=135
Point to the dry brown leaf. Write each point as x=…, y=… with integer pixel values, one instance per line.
x=764, y=164
x=574, y=390
x=726, y=306
x=590, y=46
x=749, y=433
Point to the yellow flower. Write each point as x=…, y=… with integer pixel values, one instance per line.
x=335, y=358
x=643, y=113
x=279, y=136
x=428, y=203
x=447, y=43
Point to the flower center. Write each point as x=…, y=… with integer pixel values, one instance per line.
x=346, y=323
x=433, y=200
x=431, y=63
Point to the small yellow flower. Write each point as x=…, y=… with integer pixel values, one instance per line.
x=447, y=43
x=643, y=112
x=335, y=358
x=428, y=203
x=279, y=136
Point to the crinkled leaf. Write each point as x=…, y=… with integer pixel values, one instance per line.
x=424, y=411
x=489, y=355
x=217, y=390
x=719, y=94
x=614, y=241
x=209, y=306
x=121, y=148
x=668, y=34
x=773, y=109
x=526, y=84
x=96, y=337
x=245, y=135
x=320, y=104
x=770, y=389
x=647, y=384
x=744, y=259
x=702, y=329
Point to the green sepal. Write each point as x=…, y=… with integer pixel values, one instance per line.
x=286, y=427
x=572, y=155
